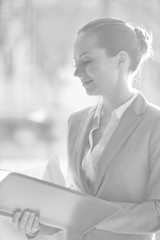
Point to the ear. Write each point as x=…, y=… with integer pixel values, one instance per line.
x=123, y=60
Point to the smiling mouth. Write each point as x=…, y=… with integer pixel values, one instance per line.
x=87, y=82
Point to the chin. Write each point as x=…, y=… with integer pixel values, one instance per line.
x=92, y=92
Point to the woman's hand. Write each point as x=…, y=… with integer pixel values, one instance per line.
x=26, y=221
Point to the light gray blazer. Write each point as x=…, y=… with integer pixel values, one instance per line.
x=128, y=171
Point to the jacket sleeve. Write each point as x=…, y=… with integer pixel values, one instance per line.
x=144, y=217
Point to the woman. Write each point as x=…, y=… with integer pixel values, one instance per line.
x=113, y=147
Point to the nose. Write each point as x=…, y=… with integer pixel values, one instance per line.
x=79, y=72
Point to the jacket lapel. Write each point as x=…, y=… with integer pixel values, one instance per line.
x=130, y=120
x=81, y=142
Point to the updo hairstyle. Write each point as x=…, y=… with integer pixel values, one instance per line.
x=115, y=35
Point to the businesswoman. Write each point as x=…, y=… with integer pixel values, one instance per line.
x=114, y=147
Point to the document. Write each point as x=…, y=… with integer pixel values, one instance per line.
x=58, y=206
x=48, y=170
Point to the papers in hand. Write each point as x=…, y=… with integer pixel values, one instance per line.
x=58, y=206
x=48, y=170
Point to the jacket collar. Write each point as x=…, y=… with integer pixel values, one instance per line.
x=128, y=123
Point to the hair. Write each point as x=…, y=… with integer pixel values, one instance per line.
x=116, y=35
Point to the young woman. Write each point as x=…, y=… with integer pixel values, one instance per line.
x=113, y=147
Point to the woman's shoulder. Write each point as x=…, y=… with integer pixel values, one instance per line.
x=77, y=115
x=154, y=110
x=153, y=115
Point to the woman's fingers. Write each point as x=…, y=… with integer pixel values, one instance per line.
x=16, y=218
x=26, y=221
x=30, y=222
x=36, y=225
x=23, y=220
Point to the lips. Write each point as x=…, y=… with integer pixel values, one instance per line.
x=87, y=82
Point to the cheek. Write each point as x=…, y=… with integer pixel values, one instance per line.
x=95, y=71
x=101, y=73
x=109, y=72
x=90, y=70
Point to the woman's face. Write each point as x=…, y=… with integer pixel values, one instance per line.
x=97, y=71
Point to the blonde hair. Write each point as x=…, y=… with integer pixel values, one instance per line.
x=116, y=35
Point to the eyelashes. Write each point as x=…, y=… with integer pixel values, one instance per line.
x=87, y=62
x=83, y=63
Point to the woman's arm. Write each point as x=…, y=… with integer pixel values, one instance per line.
x=134, y=219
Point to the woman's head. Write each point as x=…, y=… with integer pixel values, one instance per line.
x=115, y=35
x=106, y=52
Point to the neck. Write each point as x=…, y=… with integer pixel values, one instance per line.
x=114, y=101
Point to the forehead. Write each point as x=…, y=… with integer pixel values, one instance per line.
x=85, y=42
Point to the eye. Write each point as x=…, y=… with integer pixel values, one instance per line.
x=86, y=62
x=81, y=63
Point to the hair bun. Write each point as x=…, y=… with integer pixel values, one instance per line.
x=144, y=41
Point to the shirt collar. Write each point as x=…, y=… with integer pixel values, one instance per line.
x=121, y=109
x=117, y=113
x=97, y=115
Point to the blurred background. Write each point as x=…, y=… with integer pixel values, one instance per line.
x=37, y=89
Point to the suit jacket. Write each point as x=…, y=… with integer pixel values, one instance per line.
x=128, y=171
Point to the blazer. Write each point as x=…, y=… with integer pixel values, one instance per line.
x=128, y=171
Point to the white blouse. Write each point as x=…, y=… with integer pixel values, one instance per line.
x=92, y=156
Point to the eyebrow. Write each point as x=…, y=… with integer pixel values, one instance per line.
x=82, y=54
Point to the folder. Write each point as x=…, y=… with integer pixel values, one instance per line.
x=58, y=206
